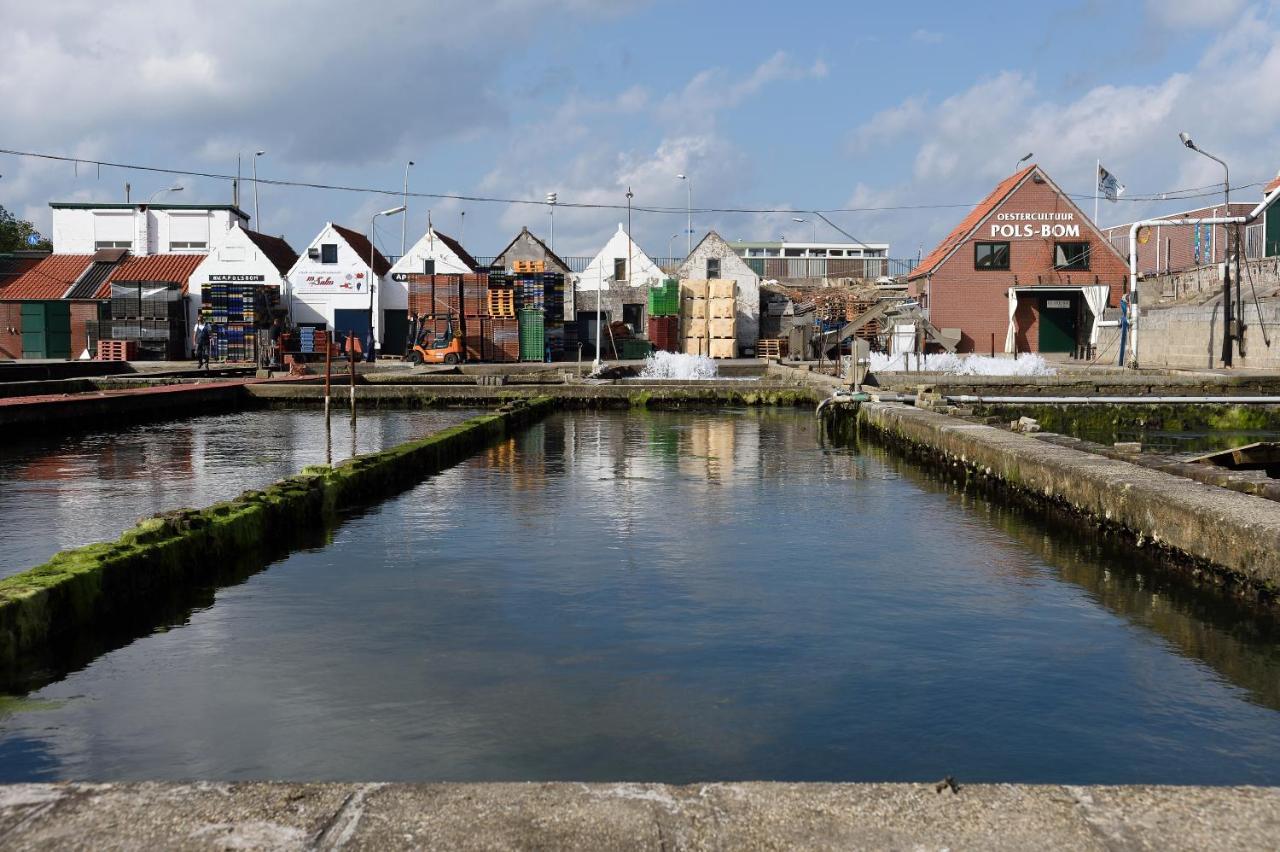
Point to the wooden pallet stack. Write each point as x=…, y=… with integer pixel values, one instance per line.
x=708, y=317
x=502, y=303
x=527, y=266
x=771, y=347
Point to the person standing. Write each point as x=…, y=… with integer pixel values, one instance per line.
x=200, y=338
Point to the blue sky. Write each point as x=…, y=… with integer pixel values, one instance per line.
x=808, y=106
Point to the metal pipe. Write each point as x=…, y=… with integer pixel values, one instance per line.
x=1114, y=400
x=1133, y=263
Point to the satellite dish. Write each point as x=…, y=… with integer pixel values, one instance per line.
x=1144, y=235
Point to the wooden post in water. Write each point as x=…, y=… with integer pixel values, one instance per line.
x=351, y=360
x=328, y=375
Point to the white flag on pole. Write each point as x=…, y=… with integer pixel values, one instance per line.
x=1110, y=188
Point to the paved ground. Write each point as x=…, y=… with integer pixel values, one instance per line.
x=635, y=816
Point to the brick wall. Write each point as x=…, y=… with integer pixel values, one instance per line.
x=976, y=301
x=10, y=330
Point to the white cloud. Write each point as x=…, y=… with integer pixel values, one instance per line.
x=961, y=145
x=923, y=36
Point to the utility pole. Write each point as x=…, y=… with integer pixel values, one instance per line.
x=257, y=219
x=404, y=223
x=1229, y=329
x=552, y=199
x=629, y=281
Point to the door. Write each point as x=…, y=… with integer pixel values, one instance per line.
x=1057, y=323
x=1271, y=236
x=57, y=329
x=346, y=322
x=33, y=339
x=395, y=331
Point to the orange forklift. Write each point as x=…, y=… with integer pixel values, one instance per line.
x=441, y=348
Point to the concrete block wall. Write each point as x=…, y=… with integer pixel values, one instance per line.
x=1190, y=337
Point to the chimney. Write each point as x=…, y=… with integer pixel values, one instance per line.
x=142, y=231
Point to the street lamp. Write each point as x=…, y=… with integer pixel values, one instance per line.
x=1227, y=317
x=688, y=185
x=404, y=205
x=257, y=220
x=462, y=228
x=174, y=188
x=1023, y=160
x=670, y=240
x=552, y=199
x=814, y=223
x=372, y=273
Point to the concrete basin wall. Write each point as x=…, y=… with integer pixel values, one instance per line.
x=1231, y=537
x=97, y=585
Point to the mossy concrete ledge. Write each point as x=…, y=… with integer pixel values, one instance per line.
x=1231, y=538
x=91, y=585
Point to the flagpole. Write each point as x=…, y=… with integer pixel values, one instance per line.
x=1097, y=179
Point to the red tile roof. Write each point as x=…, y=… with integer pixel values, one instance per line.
x=49, y=278
x=968, y=223
x=360, y=243
x=155, y=268
x=1272, y=187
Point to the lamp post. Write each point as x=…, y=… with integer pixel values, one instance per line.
x=174, y=188
x=629, y=197
x=1023, y=160
x=404, y=205
x=257, y=219
x=372, y=273
x=462, y=228
x=670, y=240
x=688, y=185
x=1227, y=313
x=814, y=223
x=552, y=198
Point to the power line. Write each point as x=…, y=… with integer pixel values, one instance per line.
x=1170, y=195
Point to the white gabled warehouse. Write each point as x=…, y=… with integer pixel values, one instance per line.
x=623, y=274
x=715, y=258
x=330, y=286
x=445, y=255
x=243, y=257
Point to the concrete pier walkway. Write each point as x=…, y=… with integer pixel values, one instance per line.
x=635, y=816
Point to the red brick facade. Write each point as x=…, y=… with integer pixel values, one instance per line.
x=1031, y=214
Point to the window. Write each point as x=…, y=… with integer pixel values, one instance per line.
x=713, y=267
x=328, y=252
x=110, y=244
x=990, y=255
x=1070, y=255
x=619, y=269
x=188, y=245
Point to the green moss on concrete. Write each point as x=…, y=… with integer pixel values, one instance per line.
x=79, y=588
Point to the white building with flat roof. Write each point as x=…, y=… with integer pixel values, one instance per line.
x=143, y=229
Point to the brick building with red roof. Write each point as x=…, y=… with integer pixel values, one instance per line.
x=1025, y=271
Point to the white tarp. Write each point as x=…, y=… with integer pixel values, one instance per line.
x=1010, y=339
x=1095, y=298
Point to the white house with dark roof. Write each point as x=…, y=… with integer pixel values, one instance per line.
x=445, y=255
x=246, y=257
x=333, y=285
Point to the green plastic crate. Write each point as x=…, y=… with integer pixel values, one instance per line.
x=533, y=336
x=633, y=349
x=664, y=300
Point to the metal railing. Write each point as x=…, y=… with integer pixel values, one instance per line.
x=830, y=267
x=1254, y=243
x=778, y=267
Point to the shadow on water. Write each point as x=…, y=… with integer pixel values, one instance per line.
x=1239, y=642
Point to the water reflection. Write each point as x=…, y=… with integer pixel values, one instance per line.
x=584, y=602
x=1200, y=625
x=72, y=490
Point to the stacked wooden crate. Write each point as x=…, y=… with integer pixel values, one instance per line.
x=693, y=315
x=708, y=317
x=722, y=323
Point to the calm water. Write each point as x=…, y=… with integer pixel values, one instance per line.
x=73, y=490
x=678, y=597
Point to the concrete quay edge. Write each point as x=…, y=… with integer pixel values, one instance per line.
x=1233, y=533
x=756, y=815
